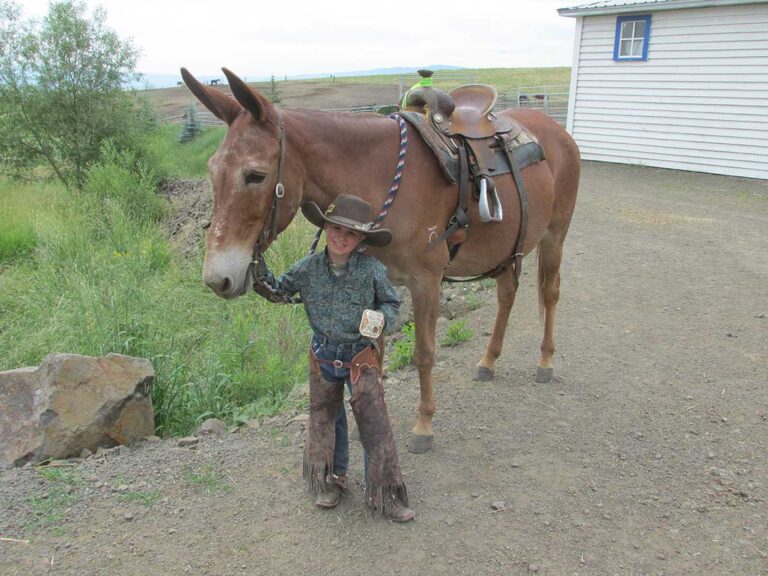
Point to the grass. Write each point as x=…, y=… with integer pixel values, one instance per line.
x=403, y=348
x=50, y=506
x=102, y=277
x=503, y=79
x=206, y=479
x=189, y=160
x=146, y=498
x=456, y=333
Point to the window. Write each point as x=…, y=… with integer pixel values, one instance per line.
x=632, y=38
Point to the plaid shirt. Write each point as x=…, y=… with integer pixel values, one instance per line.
x=334, y=305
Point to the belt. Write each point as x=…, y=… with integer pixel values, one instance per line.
x=335, y=363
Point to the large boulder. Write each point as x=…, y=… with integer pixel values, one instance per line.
x=71, y=402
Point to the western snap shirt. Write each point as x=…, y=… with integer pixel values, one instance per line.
x=334, y=305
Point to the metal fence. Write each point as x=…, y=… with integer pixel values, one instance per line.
x=552, y=100
x=205, y=118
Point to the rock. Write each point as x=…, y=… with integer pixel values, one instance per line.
x=85, y=453
x=189, y=441
x=254, y=424
x=299, y=419
x=72, y=402
x=211, y=426
x=498, y=505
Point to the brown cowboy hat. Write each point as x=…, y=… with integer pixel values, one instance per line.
x=349, y=212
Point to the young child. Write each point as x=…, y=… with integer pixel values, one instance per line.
x=337, y=286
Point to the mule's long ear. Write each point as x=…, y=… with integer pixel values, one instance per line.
x=259, y=107
x=222, y=106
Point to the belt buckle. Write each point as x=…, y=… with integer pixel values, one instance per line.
x=338, y=364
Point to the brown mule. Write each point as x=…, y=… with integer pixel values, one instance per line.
x=320, y=155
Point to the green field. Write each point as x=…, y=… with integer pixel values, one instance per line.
x=503, y=79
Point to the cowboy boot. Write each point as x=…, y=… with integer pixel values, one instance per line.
x=325, y=401
x=385, y=488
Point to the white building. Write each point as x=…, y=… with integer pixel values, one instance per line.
x=672, y=83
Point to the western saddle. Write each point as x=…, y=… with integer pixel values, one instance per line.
x=473, y=145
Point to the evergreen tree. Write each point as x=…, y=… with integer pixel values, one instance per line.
x=192, y=126
x=274, y=93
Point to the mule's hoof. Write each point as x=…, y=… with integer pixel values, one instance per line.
x=544, y=375
x=420, y=443
x=483, y=374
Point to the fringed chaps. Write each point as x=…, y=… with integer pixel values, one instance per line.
x=325, y=401
x=385, y=484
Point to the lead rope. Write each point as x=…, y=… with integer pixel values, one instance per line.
x=399, y=168
x=398, y=172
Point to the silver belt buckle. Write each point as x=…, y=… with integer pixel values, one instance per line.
x=371, y=324
x=338, y=364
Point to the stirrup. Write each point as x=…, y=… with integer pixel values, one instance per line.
x=485, y=213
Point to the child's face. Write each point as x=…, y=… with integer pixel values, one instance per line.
x=341, y=242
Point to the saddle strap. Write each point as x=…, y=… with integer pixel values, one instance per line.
x=460, y=218
x=515, y=260
x=523, y=196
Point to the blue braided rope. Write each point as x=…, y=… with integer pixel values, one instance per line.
x=398, y=172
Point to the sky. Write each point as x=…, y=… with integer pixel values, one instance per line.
x=259, y=38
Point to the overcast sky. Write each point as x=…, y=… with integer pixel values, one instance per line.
x=292, y=37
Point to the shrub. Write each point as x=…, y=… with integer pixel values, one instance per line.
x=403, y=348
x=456, y=333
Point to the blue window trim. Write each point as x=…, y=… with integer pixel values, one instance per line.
x=616, y=41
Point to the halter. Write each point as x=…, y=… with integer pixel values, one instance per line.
x=269, y=232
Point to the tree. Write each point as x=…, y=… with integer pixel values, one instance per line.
x=61, y=90
x=191, y=126
x=274, y=93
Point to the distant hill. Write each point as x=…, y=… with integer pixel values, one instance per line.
x=170, y=80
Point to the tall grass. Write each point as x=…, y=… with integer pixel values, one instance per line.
x=102, y=277
x=173, y=159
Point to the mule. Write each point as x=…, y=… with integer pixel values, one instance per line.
x=322, y=154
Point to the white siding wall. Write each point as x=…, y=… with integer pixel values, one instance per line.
x=700, y=101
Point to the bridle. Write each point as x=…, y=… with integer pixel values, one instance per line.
x=269, y=232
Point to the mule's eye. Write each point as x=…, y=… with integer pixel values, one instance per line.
x=253, y=177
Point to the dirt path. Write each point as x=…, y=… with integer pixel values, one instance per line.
x=646, y=455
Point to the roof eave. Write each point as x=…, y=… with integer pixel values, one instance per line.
x=651, y=7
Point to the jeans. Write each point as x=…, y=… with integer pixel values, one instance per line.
x=327, y=350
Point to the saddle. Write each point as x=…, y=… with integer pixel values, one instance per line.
x=472, y=146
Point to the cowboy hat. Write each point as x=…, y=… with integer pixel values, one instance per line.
x=348, y=212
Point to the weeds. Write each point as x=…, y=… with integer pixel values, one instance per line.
x=143, y=498
x=403, y=348
x=207, y=480
x=102, y=277
x=456, y=333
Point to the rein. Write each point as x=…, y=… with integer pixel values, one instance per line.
x=269, y=233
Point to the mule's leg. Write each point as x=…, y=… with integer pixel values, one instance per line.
x=549, y=256
x=425, y=295
x=506, y=288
